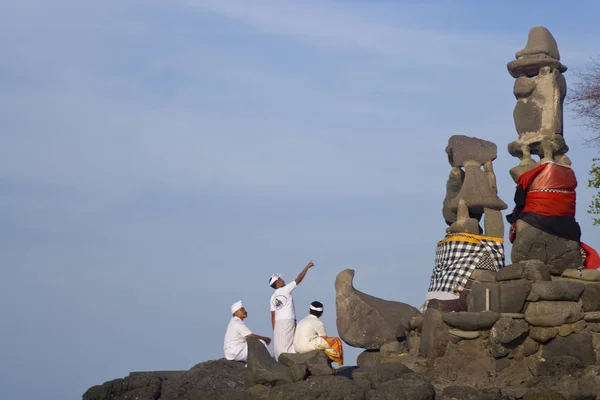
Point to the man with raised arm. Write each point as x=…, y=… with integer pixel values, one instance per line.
x=235, y=346
x=283, y=314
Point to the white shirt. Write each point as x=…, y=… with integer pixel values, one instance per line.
x=282, y=302
x=309, y=328
x=235, y=346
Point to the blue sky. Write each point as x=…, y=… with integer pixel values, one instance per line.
x=160, y=159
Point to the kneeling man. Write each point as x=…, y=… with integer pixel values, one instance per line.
x=311, y=335
x=235, y=346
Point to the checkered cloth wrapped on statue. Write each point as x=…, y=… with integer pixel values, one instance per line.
x=458, y=255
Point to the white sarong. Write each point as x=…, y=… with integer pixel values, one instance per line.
x=283, y=337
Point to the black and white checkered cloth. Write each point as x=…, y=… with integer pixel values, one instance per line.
x=458, y=255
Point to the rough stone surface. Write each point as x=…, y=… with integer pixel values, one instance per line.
x=535, y=270
x=316, y=363
x=565, y=330
x=469, y=393
x=579, y=326
x=505, y=297
x=413, y=343
x=482, y=275
x=470, y=321
x=542, y=335
x=591, y=297
x=530, y=347
x=394, y=347
x=593, y=316
x=410, y=386
x=578, y=346
x=506, y=330
x=462, y=148
x=543, y=394
x=553, y=313
x=142, y=385
x=510, y=272
x=563, y=291
x=366, y=321
x=560, y=254
x=540, y=41
x=325, y=387
x=368, y=357
x=264, y=369
x=416, y=322
x=592, y=275
x=435, y=336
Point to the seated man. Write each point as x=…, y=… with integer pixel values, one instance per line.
x=235, y=346
x=311, y=335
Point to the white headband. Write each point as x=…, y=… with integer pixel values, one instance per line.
x=274, y=277
x=316, y=308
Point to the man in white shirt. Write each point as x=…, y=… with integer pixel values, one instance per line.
x=283, y=315
x=311, y=335
x=235, y=346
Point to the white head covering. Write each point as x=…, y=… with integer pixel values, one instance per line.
x=236, y=306
x=274, y=277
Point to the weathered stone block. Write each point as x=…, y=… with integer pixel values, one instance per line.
x=591, y=297
x=584, y=275
x=553, y=313
x=434, y=336
x=578, y=346
x=542, y=335
x=462, y=148
x=565, y=330
x=593, y=316
x=471, y=321
x=368, y=357
x=482, y=275
x=395, y=347
x=579, y=326
x=506, y=330
x=556, y=290
x=264, y=369
x=510, y=272
x=513, y=295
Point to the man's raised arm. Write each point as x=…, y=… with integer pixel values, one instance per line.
x=266, y=339
x=304, y=271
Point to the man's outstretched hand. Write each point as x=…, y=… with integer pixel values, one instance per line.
x=310, y=264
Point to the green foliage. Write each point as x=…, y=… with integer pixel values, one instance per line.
x=594, y=182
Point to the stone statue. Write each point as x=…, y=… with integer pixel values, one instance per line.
x=543, y=225
x=471, y=194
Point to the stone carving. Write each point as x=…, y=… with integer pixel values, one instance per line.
x=365, y=321
x=540, y=89
x=471, y=190
x=543, y=228
x=471, y=194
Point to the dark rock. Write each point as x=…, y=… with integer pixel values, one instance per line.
x=416, y=322
x=476, y=297
x=543, y=394
x=471, y=321
x=410, y=386
x=591, y=297
x=527, y=117
x=553, y=313
x=482, y=275
x=593, y=327
x=392, y=348
x=506, y=330
x=143, y=386
x=315, y=362
x=368, y=357
x=322, y=387
x=585, y=275
x=513, y=295
x=510, y=272
x=556, y=290
x=264, y=369
x=380, y=373
x=497, y=349
x=558, y=366
x=469, y=393
x=578, y=346
x=208, y=380
x=366, y=321
x=530, y=347
x=531, y=243
x=535, y=270
x=434, y=336
x=542, y=335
